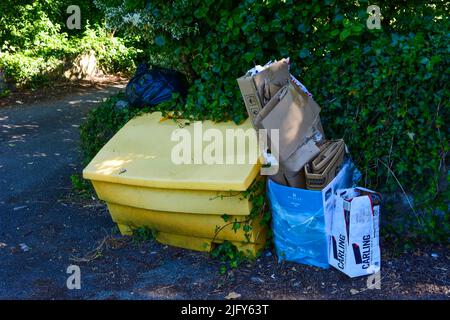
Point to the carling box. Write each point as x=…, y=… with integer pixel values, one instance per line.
x=354, y=239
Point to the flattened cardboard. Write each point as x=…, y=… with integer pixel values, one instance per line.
x=272, y=79
x=270, y=106
x=295, y=179
x=279, y=177
x=258, y=89
x=326, y=155
x=319, y=180
x=303, y=154
x=249, y=94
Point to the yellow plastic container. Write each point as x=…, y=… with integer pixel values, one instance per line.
x=134, y=173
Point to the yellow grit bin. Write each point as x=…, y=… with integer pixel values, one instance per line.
x=155, y=172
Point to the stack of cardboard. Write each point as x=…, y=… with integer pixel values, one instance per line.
x=276, y=100
x=306, y=160
x=325, y=166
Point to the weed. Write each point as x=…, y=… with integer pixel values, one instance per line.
x=143, y=234
x=82, y=187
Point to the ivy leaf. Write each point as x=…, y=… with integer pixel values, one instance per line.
x=304, y=53
x=302, y=28
x=159, y=40
x=230, y=23
x=249, y=56
x=435, y=59
x=334, y=33
x=344, y=34
x=424, y=60
x=357, y=28
x=236, y=226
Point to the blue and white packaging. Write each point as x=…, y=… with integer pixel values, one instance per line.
x=354, y=246
x=298, y=221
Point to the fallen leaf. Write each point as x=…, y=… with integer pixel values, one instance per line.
x=24, y=247
x=233, y=295
x=354, y=291
x=257, y=279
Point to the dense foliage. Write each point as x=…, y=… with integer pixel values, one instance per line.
x=385, y=91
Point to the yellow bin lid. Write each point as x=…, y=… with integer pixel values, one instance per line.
x=140, y=154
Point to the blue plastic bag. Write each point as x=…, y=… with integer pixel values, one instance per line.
x=298, y=220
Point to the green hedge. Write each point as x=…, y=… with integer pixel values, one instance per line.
x=385, y=91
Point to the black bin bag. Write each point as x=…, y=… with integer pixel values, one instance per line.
x=149, y=87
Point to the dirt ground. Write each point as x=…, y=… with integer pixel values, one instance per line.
x=45, y=227
x=122, y=268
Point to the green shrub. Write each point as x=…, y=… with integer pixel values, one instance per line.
x=113, y=53
x=34, y=49
x=143, y=234
x=32, y=46
x=37, y=66
x=23, y=69
x=229, y=255
x=28, y=26
x=82, y=187
x=385, y=91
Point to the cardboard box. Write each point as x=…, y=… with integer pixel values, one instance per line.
x=354, y=237
x=325, y=166
x=294, y=114
x=279, y=177
x=274, y=101
x=295, y=179
x=305, y=152
x=272, y=79
x=257, y=90
x=251, y=99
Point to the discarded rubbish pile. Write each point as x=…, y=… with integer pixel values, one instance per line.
x=193, y=198
x=310, y=221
